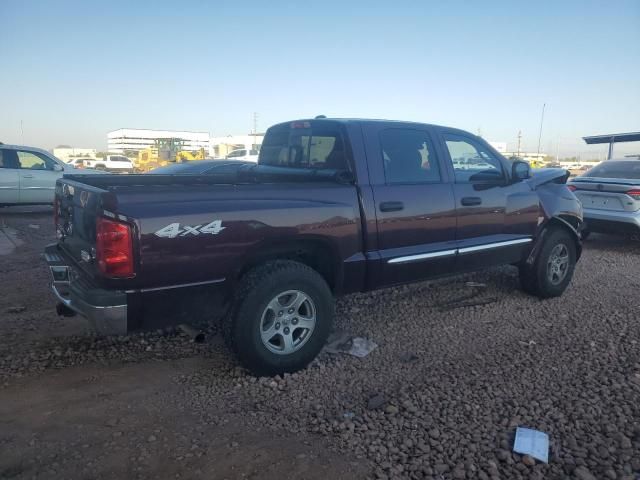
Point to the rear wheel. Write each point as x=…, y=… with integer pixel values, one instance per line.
x=281, y=317
x=553, y=268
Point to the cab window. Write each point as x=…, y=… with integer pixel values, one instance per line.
x=473, y=162
x=34, y=161
x=408, y=157
x=305, y=145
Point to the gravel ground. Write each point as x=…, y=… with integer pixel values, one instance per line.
x=458, y=367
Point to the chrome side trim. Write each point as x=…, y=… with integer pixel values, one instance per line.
x=422, y=256
x=38, y=188
x=194, y=284
x=446, y=253
x=489, y=246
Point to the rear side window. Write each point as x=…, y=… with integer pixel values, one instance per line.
x=8, y=159
x=613, y=169
x=305, y=145
x=408, y=157
x=120, y=159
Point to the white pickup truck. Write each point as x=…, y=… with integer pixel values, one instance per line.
x=110, y=163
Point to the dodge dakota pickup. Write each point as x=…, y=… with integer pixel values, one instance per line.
x=334, y=206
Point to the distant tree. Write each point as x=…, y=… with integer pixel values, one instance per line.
x=63, y=146
x=548, y=159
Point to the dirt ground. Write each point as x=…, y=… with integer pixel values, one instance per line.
x=121, y=420
x=456, y=371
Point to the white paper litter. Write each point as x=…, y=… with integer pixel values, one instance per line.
x=356, y=346
x=532, y=442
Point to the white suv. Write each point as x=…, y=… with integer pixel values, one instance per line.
x=111, y=163
x=243, y=154
x=28, y=175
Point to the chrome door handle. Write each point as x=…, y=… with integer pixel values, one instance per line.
x=471, y=201
x=391, y=206
x=27, y=176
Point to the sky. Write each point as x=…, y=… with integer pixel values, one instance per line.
x=74, y=70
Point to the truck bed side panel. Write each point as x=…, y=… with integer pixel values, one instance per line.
x=176, y=246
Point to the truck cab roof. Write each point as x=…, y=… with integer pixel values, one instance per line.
x=367, y=121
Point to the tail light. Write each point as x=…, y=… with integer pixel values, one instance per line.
x=573, y=188
x=634, y=193
x=114, y=250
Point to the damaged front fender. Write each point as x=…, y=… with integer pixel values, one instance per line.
x=559, y=206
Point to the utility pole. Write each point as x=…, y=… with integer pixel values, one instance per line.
x=540, y=134
x=519, y=142
x=255, y=128
x=21, y=133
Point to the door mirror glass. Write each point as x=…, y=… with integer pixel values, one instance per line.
x=57, y=168
x=521, y=170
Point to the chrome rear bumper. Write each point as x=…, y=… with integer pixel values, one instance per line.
x=106, y=310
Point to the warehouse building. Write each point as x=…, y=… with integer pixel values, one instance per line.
x=132, y=140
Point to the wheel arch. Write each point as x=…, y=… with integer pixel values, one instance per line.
x=318, y=253
x=568, y=223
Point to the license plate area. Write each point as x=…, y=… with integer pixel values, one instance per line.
x=603, y=202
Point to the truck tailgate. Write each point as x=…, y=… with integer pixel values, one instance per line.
x=76, y=208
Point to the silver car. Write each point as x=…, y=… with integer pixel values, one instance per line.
x=610, y=196
x=28, y=175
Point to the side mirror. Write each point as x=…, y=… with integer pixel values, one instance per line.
x=58, y=168
x=520, y=171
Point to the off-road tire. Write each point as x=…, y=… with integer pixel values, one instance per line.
x=534, y=278
x=241, y=327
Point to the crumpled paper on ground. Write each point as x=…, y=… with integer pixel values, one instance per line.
x=346, y=343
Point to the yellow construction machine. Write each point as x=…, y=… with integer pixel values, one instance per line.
x=164, y=152
x=188, y=156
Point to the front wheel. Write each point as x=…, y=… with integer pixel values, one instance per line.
x=281, y=318
x=553, y=268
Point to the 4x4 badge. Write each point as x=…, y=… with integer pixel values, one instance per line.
x=174, y=230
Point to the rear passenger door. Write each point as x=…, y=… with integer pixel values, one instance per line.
x=9, y=176
x=414, y=204
x=496, y=218
x=37, y=177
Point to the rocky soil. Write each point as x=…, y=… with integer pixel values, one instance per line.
x=459, y=366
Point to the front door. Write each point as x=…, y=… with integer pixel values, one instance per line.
x=414, y=205
x=37, y=177
x=496, y=217
x=9, y=176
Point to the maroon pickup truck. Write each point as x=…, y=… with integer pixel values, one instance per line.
x=333, y=206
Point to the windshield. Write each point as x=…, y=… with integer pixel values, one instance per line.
x=613, y=169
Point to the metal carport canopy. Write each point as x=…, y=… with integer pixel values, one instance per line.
x=611, y=139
